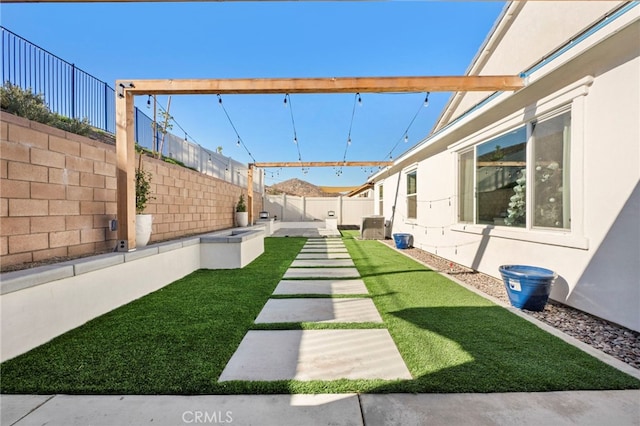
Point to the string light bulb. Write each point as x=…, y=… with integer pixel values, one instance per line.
x=295, y=140
x=149, y=101
x=285, y=100
x=359, y=99
x=220, y=99
x=238, y=143
x=349, y=141
x=426, y=100
x=406, y=138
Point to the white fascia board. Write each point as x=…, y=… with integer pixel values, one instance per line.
x=597, y=34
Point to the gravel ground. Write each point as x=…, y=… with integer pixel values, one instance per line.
x=617, y=341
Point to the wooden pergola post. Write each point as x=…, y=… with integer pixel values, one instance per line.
x=250, y=193
x=125, y=171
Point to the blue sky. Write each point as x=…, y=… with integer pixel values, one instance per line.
x=274, y=39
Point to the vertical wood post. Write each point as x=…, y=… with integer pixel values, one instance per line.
x=125, y=172
x=250, y=192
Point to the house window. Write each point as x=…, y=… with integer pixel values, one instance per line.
x=380, y=200
x=551, y=189
x=412, y=195
x=504, y=167
x=501, y=178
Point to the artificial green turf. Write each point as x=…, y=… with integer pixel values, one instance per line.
x=175, y=340
x=453, y=340
x=178, y=340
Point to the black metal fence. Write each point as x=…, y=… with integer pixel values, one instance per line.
x=67, y=89
x=72, y=92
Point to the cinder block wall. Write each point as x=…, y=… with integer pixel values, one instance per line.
x=58, y=193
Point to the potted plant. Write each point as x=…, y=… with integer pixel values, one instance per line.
x=242, y=216
x=143, y=221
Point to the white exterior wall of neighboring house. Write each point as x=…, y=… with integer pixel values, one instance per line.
x=597, y=83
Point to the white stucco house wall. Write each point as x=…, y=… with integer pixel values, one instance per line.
x=547, y=175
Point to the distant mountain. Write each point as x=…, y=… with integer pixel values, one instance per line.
x=298, y=187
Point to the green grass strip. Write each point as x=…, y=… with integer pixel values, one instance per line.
x=179, y=339
x=453, y=340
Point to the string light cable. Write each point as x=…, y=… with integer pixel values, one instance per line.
x=240, y=141
x=287, y=102
x=357, y=100
x=405, y=134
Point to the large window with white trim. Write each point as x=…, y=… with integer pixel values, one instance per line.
x=381, y=199
x=519, y=179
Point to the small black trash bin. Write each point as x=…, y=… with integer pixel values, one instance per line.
x=528, y=287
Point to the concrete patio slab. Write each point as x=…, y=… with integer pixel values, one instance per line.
x=329, y=232
x=15, y=407
x=318, y=263
x=321, y=273
x=551, y=408
x=326, y=310
x=267, y=355
x=165, y=410
x=321, y=287
x=589, y=408
x=297, y=232
x=323, y=255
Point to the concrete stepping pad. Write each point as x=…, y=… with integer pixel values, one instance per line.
x=303, y=263
x=325, y=310
x=325, y=241
x=267, y=355
x=321, y=287
x=321, y=273
x=324, y=250
x=323, y=255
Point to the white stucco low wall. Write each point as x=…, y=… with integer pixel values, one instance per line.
x=42, y=303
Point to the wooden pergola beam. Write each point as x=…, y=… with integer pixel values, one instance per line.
x=126, y=90
x=245, y=86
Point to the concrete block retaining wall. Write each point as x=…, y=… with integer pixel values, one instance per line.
x=58, y=194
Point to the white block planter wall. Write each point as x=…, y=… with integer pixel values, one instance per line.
x=230, y=251
x=41, y=303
